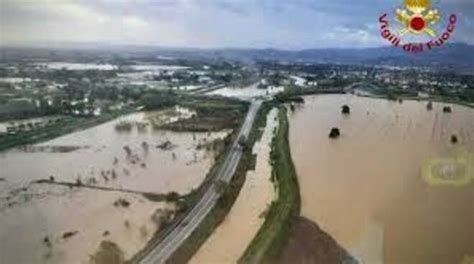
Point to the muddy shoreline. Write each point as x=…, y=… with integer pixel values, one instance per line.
x=308, y=243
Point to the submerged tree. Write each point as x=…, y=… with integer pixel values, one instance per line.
x=335, y=133
x=454, y=139
x=108, y=252
x=429, y=106
x=145, y=147
x=128, y=150
x=292, y=107
x=346, y=109
x=447, y=109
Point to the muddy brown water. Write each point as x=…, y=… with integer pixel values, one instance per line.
x=365, y=188
x=231, y=238
x=30, y=212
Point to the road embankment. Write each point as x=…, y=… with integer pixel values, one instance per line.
x=230, y=193
x=229, y=241
x=284, y=211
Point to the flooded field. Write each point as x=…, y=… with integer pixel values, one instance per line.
x=248, y=92
x=13, y=80
x=299, y=81
x=50, y=223
x=229, y=241
x=157, y=68
x=77, y=66
x=67, y=226
x=366, y=187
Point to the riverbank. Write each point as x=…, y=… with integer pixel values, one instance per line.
x=283, y=212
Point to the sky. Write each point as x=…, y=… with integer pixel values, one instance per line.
x=281, y=24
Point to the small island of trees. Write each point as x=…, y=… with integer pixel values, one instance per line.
x=454, y=139
x=334, y=133
x=346, y=109
x=447, y=109
x=429, y=106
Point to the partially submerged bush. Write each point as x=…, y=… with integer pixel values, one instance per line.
x=123, y=126
x=78, y=182
x=334, y=133
x=454, y=139
x=122, y=202
x=346, y=109
x=172, y=196
x=447, y=109
x=162, y=217
x=69, y=234
x=429, y=106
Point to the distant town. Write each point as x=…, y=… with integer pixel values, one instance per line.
x=90, y=87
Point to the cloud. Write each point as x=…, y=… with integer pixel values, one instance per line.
x=290, y=24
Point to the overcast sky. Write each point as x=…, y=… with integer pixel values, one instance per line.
x=285, y=24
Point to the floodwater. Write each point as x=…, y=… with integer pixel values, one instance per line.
x=14, y=80
x=102, y=149
x=78, y=66
x=299, y=81
x=366, y=189
x=90, y=213
x=157, y=68
x=230, y=240
x=248, y=92
x=140, y=159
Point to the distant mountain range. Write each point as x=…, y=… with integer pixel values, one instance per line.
x=452, y=55
x=456, y=55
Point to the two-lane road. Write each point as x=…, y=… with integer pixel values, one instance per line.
x=184, y=228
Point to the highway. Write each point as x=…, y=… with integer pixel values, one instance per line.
x=184, y=228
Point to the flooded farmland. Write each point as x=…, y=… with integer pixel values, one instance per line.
x=77, y=66
x=366, y=188
x=59, y=224
x=248, y=92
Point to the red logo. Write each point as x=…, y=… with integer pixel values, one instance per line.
x=416, y=19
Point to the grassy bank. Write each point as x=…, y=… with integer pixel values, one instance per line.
x=229, y=195
x=275, y=231
x=64, y=126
